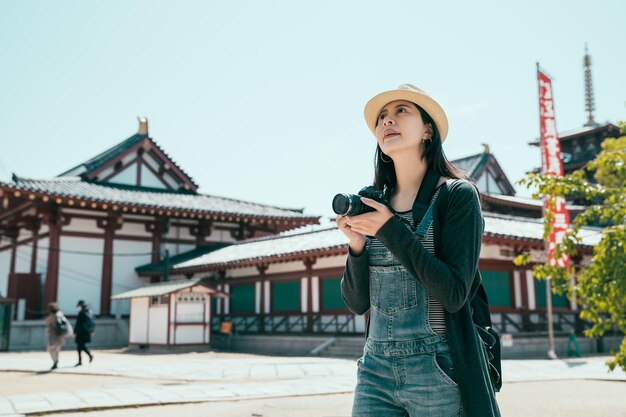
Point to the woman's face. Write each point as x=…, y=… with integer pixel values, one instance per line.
x=400, y=128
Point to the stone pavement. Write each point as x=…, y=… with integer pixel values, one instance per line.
x=206, y=377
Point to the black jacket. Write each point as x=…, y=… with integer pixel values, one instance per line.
x=82, y=334
x=451, y=276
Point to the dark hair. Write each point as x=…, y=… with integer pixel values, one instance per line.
x=385, y=173
x=53, y=308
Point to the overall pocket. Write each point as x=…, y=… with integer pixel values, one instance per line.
x=443, y=363
x=392, y=288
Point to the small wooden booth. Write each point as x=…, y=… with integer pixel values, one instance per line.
x=174, y=313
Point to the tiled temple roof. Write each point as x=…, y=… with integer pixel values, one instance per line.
x=76, y=189
x=329, y=241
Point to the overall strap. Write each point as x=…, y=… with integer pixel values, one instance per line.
x=426, y=222
x=424, y=195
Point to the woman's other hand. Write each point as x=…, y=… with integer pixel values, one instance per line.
x=357, y=240
x=367, y=224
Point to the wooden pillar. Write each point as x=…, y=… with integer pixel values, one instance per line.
x=158, y=228
x=34, y=226
x=54, y=221
x=222, y=281
x=262, y=269
x=110, y=224
x=308, y=263
x=12, y=234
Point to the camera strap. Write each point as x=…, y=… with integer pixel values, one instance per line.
x=424, y=195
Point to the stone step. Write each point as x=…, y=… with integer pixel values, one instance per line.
x=345, y=348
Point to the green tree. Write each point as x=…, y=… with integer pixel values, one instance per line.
x=600, y=288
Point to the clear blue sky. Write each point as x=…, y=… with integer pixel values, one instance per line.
x=263, y=100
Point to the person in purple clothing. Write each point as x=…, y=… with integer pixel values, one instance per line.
x=413, y=267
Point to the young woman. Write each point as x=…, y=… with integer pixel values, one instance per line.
x=423, y=355
x=56, y=338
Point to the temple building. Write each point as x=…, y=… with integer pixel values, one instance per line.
x=82, y=234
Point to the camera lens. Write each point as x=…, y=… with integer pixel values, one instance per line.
x=341, y=204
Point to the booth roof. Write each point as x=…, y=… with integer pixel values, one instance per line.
x=163, y=288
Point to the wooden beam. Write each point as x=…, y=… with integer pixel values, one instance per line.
x=16, y=209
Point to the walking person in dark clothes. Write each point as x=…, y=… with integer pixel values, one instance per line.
x=413, y=265
x=83, y=331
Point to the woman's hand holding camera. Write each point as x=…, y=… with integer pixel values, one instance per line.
x=367, y=224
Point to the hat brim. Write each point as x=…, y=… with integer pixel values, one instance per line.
x=434, y=110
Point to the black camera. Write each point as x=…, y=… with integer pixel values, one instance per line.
x=351, y=204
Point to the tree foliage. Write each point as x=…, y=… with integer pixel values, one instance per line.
x=599, y=288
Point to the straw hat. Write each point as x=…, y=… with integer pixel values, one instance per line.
x=410, y=93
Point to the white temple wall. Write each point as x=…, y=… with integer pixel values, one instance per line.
x=79, y=274
x=5, y=266
x=180, y=232
x=330, y=262
x=22, y=258
x=148, y=179
x=134, y=229
x=82, y=225
x=490, y=251
x=219, y=235
x=174, y=248
x=42, y=258
x=127, y=176
x=250, y=271
x=124, y=276
x=297, y=266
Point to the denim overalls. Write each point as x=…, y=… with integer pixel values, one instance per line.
x=406, y=369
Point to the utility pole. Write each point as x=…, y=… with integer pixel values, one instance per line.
x=551, y=350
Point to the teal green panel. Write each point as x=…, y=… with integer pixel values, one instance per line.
x=214, y=301
x=540, y=293
x=286, y=296
x=331, y=294
x=242, y=298
x=498, y=287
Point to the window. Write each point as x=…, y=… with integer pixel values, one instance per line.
x=286, y=296
x=331, y=294
x=191, y=297
x=498, y=287
x=558, y=301
x=160, y=300
x=242, y=298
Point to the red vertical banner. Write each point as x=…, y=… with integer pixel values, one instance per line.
x=552, y=165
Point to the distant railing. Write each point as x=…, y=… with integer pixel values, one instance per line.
x=534, y=321
x=345, y=324
x=289, y=323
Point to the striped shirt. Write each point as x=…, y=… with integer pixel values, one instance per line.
x=436, y=318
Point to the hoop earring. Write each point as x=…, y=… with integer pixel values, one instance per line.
x=383, y=159
x=428, y=139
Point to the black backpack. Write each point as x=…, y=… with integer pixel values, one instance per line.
x=90, y=322
x=488, y=335
x=62, y=326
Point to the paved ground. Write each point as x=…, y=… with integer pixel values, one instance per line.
x=119, y=383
